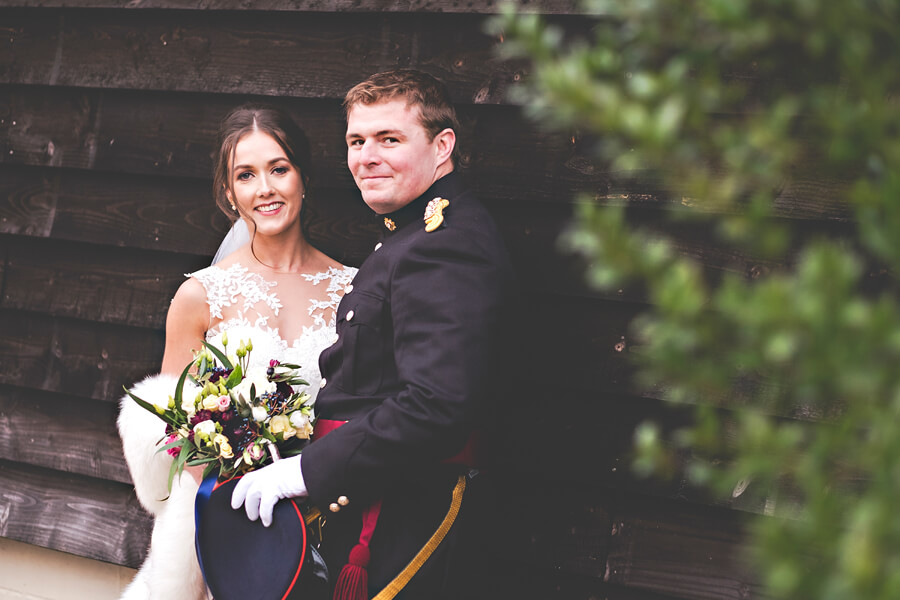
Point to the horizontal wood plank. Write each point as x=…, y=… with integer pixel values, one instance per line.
x=63, y=433
x=92, y=283
x=80, y=358
x=680, y=550
x=289, y=54
x=81, y=515
x=427, y=6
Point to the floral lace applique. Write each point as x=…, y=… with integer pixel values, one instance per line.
x=223, y=287
x=238, y=287
x=337, y=281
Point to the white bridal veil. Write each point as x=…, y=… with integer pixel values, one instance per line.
x=236, y=237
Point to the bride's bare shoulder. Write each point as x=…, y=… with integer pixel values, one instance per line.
x=189, y=299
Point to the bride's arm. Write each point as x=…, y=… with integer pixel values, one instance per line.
x=141, y=431
x=186, y=326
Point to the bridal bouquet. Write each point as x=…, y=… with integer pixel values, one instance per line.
x=227, y=414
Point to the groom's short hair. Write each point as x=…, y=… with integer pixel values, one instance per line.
x=436, y=111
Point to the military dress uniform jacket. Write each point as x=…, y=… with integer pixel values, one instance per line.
x=412, y=372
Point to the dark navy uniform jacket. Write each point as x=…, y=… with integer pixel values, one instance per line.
x=413, y=373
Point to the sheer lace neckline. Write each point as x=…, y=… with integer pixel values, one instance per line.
x=238, y=297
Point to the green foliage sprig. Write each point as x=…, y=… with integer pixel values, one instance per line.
x=737, y=106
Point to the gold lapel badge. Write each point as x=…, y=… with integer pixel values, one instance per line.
x=434, y=214
x=389, y=223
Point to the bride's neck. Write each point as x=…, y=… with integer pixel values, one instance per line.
x=277, y=255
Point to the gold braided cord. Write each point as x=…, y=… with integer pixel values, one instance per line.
x=394, y=587
x=311, y=515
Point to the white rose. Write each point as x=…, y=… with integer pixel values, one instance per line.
x=205, y=428
x=254, y=377
x=259, y=413
x=299, y=420
x=301, y=423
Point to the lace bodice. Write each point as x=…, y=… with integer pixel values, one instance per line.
x=243, y=303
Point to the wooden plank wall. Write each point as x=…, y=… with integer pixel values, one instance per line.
x=107, y=116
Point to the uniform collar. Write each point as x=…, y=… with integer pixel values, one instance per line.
x=448, y=186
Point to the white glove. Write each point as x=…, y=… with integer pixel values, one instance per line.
x=260, y=490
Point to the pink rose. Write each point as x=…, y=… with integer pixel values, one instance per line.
x=224, y=403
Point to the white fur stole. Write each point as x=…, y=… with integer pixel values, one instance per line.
x=170, y=569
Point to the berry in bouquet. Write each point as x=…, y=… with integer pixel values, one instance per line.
x=230, y=417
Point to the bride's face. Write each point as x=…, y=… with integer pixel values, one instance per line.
x=265, y=185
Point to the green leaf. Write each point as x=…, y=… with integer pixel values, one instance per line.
x=177, y=467
x=235, y=377
x=152, y=408
x=180, y=385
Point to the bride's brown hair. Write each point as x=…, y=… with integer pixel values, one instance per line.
x=273, y=121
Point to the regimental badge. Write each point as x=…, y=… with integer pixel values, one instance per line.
x=434, y=214
x=389, y=223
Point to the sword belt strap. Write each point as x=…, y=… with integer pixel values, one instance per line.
x=394, y=587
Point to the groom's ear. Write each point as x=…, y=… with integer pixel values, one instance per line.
x=446, y=142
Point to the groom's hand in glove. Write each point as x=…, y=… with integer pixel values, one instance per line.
x=260, y=490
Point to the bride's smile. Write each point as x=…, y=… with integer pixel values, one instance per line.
x=269, y=209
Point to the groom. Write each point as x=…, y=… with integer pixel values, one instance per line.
x=411, y=376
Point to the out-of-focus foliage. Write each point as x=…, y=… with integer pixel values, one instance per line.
x=729, y=103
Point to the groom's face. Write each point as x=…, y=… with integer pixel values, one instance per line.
x=390, y=154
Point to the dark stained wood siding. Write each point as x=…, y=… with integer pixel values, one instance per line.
x=107, y=116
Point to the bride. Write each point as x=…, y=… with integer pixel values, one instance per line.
x=276, y=289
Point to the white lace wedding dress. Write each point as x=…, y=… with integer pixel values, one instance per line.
x=246, y=306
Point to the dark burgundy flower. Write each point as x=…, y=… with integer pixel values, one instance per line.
x=202, y=415
x=218, y=373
